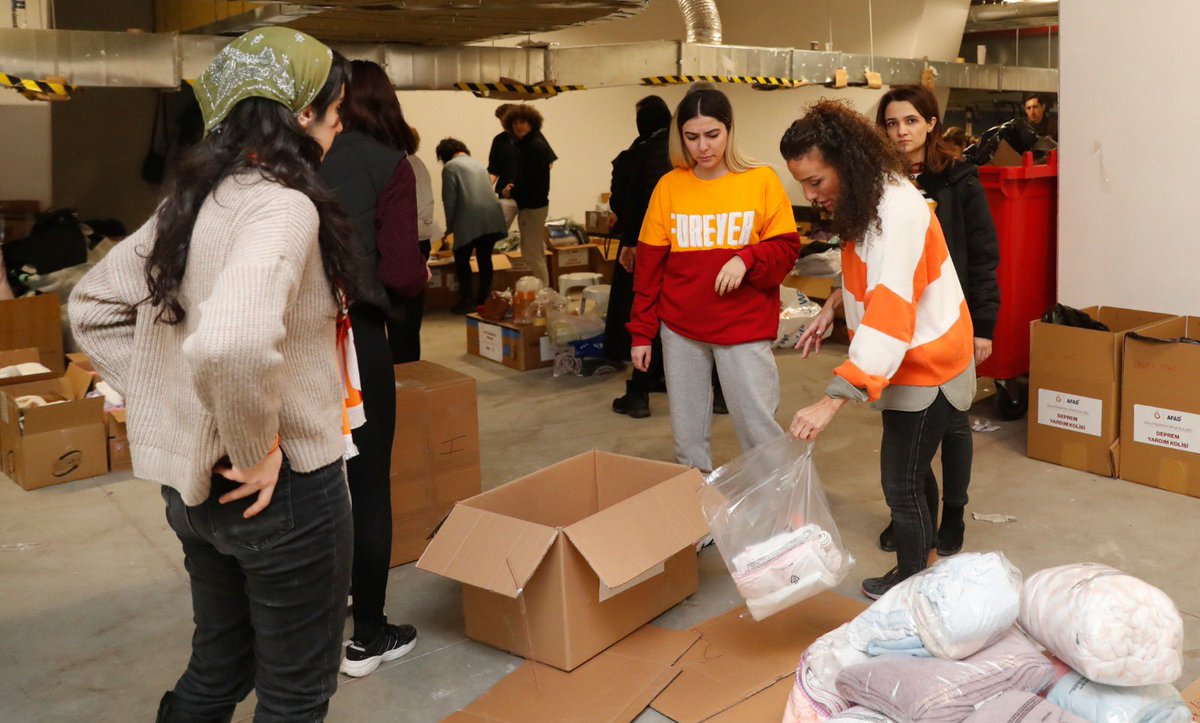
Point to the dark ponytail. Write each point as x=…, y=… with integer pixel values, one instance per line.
x=261, y=136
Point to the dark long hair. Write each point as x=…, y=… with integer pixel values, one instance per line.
x=710, y=103
x=862, y=156
x=371, y=107
x=939, y=155
x=259, y=136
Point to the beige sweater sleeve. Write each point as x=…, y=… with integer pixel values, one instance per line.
x=234, y=351
x=103, y=306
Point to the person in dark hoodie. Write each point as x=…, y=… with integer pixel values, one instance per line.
x=531, y=186
x=909, y=116
x=636, y=171
x=368, y=169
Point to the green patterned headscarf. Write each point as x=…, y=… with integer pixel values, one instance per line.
x=280, y=64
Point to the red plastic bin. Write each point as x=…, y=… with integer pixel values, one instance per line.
x=1024, y=204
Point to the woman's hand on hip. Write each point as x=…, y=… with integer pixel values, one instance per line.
x=983, y=350
x=730, y=276
x=641, y=357
x=813, y=419
x=260, y=479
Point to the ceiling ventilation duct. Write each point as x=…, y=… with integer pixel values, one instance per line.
x=702, y=20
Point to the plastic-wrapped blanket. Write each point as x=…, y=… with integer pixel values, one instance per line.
x=863, y=715
x=1018, y=707
x=789, y=567
x=800, y=708
x=934, y=689
x=1109, y=626
x=819, y=668
x=1101, y=703
x=952, y=610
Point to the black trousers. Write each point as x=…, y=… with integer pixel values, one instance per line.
x=404, y=322
x=957, y=455
x=910, y=440
x=369, y=473
x=482, y=248
x=268, y=598
x=616, y=337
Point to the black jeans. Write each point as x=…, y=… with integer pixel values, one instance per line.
x=404, y=323
x=268, y=598
x=482, y=248
x=957, y=456
x=370, y=472
x=910, y=439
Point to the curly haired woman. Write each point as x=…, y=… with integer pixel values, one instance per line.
x=912, y=350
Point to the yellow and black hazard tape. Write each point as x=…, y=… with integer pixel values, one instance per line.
x=35, y=88
x=758, y=81
x=485, y=89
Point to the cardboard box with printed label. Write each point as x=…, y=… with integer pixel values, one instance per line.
x=569, y=260
x=1075, y=392
x=435, y=452
x=519, y=346
x=55, y=443
x=1160, y=406
x=34, y=322
x=560, y=564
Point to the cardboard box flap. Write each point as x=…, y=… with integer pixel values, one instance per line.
x=615, y=686
x=79, y=381
x=12, y=357
x=61, y=416
x=634, y=535
x=737, y=658
x=118, y=415
x=486, y=550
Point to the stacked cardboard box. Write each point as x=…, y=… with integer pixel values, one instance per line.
x=518, y=346
x=1075, y=389
x=570, y=260
x=1160, y=406
x=435, y=452
x=34, y=322
x=560, y=564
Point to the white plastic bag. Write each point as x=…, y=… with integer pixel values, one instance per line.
x=771, y=521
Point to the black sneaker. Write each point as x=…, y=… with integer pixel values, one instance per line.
x=719, y=402
x=876, y=587
x=633, y=404
x=887, y=539
x=392, y=642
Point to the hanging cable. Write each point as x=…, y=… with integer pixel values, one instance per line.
x=871, y=30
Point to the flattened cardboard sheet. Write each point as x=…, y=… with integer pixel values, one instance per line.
x=615, y=686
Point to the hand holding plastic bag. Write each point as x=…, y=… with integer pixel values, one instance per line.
x=771, y=522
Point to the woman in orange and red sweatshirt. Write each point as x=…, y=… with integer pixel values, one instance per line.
x=912, y=349
x=718, y=238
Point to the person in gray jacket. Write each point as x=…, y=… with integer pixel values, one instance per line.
x=473, y=216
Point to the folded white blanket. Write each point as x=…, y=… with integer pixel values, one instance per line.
x=1111, y=627
x=788, y=568
x=956, y=608
x=864, y=715
x=1101, y=703
x=819, y=668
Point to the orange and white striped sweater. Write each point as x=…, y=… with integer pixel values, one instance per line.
x=908, y=320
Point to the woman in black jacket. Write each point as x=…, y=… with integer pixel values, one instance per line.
x=909, y=116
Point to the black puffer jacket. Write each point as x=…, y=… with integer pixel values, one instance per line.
x=636, y=172
x=962, y=211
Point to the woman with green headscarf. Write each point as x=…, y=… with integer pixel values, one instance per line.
x=219, y=321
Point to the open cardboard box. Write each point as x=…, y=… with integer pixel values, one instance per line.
x=13, y=357
x=558, y=565
x=1075, y=389
x=1160, y=407
x=34, y=321
x=435, y=452
x=49, y=445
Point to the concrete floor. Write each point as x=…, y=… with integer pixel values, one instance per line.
x=95, y=616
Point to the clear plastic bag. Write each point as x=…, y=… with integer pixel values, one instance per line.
x=771, y=521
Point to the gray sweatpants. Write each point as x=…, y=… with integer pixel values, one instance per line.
x=749, y=380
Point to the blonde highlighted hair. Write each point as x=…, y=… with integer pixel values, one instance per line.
x=711, y=103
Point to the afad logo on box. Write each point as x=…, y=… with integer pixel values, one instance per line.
x=1058, y=398
x=1157, y=415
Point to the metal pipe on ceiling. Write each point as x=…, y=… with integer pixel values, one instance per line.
x=702, y=21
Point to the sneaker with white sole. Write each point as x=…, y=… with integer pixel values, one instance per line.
x=392, y=642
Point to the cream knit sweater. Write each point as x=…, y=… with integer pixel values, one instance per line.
x=254, y=358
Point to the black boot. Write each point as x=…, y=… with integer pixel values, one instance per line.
x=464, y=307
x=635, y=403
x=950, y=533
x=887, y=539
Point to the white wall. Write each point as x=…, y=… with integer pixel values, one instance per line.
x=589, y=128
x=25, y=163
x=1129, y=220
